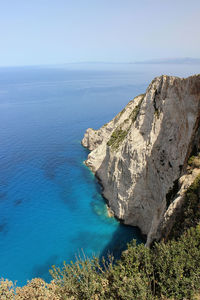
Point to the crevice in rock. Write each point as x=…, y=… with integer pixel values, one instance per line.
x=172, y=193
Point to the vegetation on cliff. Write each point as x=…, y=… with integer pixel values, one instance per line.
x=121, y=131
x=190, y=213
x=117, y=137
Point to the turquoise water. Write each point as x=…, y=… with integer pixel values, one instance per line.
x=51, y=206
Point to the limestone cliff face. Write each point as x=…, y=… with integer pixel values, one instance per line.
x=144, y=149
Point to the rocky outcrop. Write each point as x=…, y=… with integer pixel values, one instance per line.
x=143, y=151
x=174, y=210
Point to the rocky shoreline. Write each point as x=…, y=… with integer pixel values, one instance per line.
x=140, y=154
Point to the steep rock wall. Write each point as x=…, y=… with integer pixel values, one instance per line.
x=141, y=153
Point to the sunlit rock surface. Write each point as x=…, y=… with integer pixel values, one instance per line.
x=141, y=153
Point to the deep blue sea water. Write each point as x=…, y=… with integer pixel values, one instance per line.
x=51, y=206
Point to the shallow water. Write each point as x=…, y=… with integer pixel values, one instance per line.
x=50, y=203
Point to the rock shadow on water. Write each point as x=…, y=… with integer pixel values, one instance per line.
x=52, y=164
x=120, y=238
x=3, y=227
x=67, y=196
x=42, y=270
x=3, y=196
x=86, y=239
x=18, y=202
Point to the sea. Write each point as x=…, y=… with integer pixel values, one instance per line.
x=51, y=208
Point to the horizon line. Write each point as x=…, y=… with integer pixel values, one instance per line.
x=182, y=60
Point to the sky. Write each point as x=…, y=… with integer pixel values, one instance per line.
x=35, y=32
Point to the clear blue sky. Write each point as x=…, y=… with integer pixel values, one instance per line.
x=59, y=31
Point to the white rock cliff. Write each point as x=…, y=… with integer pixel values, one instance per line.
x=140, y=153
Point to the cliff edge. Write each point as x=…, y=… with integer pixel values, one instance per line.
x=140, y=155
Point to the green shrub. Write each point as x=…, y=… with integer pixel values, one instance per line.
x=194, y=161
x=135, y=111
x=117, y=138
x=131, y=277
x=166, y=271
x=84, y=279
x=119, y=134
x=177, y=266
x=170, y=270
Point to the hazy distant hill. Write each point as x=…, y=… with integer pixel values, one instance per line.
x=184, y=60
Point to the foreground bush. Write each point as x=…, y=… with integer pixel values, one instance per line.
x=6, y=289
x=35, y=289
x=84, y=279
x=177, y=266
x=170, y=270
x=166, y=271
